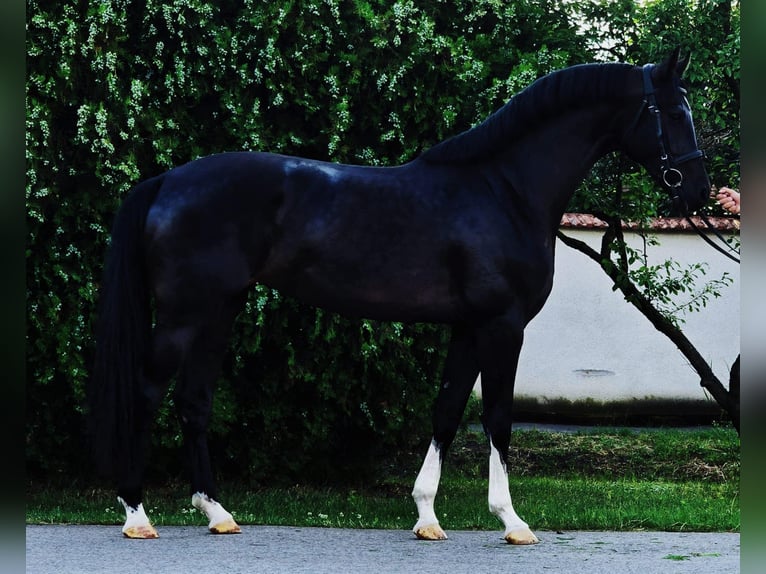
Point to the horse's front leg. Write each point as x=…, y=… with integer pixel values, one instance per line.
x=424, y=493
x=460, y=372
x=516, y=530
x=499, y=345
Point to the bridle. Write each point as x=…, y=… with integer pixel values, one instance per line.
x=671, y=175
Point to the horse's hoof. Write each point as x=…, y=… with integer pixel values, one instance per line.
x=521, y=536
x=226, y=527
x=431, y=532
x=144, y=532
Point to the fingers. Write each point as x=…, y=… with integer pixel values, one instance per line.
x=728, y=199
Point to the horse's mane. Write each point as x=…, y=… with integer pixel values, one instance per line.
x=546, y=97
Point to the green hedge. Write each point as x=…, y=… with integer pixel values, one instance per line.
x=119, y=90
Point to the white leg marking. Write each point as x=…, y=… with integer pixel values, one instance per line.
x=516, y=530
x=424, y=493
x=137, y=523
x=221, y=521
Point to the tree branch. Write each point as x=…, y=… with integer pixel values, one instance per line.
x=708, y=380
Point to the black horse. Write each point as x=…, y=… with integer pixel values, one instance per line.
x=464, y=235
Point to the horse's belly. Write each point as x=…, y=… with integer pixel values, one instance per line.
x=392, y=296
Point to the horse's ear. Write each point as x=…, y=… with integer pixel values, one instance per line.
x=682, y=64
x=671, y=65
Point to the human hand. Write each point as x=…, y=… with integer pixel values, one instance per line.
x=728, y=199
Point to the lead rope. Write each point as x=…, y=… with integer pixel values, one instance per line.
x=712, y=243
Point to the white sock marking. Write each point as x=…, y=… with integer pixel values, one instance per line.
x=426, y=485
x=500, y=495
x=215, y=513
x=134, y=517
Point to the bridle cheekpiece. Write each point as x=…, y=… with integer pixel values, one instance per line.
x=671, y=175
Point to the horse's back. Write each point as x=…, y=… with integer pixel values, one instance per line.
x=410, y=243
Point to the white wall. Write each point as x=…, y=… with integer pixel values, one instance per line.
x=589, y=343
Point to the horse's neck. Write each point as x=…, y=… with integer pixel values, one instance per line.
x=545, y=167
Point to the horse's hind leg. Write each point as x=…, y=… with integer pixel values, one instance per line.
x=194, y=346
x=460, y=372
x=499, y=344
x=167, y=347
x=200, y=369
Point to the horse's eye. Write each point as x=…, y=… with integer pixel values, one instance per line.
x=677, y=115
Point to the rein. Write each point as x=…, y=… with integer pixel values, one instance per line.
x=671, y=175
x=718, y=235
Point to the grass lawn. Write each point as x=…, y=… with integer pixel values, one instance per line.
x=602, y=480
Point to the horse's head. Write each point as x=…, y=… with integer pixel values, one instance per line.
x=661, y=136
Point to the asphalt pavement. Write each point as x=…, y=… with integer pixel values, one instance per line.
x=63, y=549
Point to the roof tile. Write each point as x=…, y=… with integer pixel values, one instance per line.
x=588, y=221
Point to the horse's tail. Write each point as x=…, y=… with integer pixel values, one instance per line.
x=123, y=335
